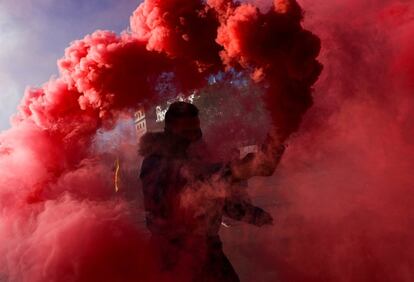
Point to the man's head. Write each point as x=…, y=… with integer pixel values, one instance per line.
x=181, y=119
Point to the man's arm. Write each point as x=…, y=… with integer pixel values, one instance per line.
x=238, y=206
x=153, y=185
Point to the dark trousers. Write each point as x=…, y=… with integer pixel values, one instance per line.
x=194, y=259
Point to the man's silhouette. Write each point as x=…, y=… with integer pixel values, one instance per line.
x=186, y=196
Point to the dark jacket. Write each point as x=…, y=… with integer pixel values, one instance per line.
x=185, y=194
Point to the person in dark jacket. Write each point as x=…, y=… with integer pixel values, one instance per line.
x=186, y=196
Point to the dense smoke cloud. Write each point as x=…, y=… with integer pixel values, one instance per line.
x=60, y=217
x=344, y=188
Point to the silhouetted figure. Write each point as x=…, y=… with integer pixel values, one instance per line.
x=185, y=196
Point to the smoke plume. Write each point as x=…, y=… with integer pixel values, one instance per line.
x=61, y=219
x=343, y=191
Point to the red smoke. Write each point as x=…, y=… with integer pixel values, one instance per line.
x=345, y=186
x=345, y=183
x=60, y=217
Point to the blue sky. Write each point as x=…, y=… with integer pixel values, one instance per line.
x=35, y=33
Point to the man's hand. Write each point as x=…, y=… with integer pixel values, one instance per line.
x=262, y=163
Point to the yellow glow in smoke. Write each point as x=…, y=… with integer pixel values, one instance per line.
x=116, y=176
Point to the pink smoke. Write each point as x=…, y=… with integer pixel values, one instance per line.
x=344, y=186
x=61, y=219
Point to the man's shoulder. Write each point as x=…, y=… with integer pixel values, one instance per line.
x=151, y=143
